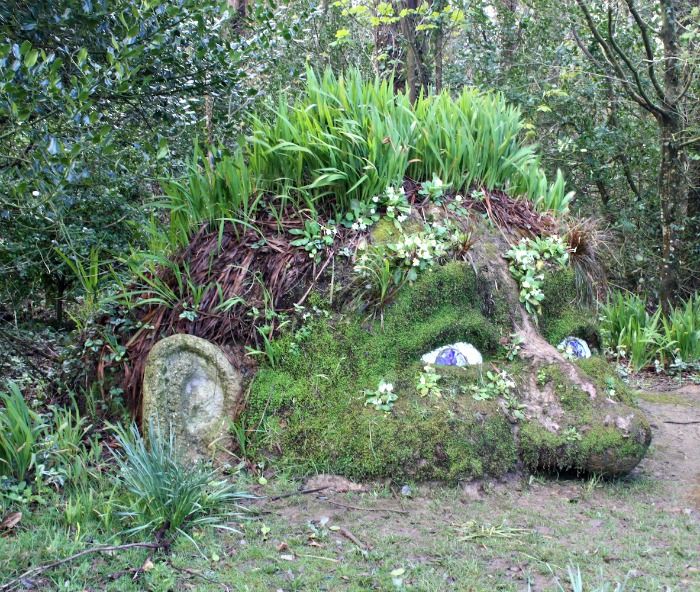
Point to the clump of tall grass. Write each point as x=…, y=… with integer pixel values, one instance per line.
x=21, y=431
x=163, y=493
x=345, y=139
x=475, y=140
x=641, y=337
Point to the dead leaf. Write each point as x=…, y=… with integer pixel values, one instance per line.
x=147, y=565
x=282, y=546
x=10, y=521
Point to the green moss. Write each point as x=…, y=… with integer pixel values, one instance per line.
x=606, y=380
x=309, y=411
x=561, y=313
x=600, y=449
x=310, y=408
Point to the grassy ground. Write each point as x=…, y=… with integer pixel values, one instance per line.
x=613, y=531
x=644, y=530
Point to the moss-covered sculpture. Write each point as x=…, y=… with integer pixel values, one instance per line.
x=309, y=409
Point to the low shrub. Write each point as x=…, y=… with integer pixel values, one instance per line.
x=165, y=495
x=640, y=337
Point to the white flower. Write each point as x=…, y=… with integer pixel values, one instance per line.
x=375, y=199
x=35, y=193
x=416, y=262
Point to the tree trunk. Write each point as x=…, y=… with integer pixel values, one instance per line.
x=673, y=182
x=438, y=46
x=673, y=197
x=409, y=32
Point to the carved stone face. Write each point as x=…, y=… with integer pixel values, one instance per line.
x=192, y=391
x=202, y=402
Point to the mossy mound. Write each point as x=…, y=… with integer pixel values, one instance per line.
x=309, y=409
x=604, y=436
x=310, y=406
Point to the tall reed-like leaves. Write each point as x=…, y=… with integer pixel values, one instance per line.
x=20, y=432
x=628, y=326
x=475, y=140
x=344, y=138
x=213, y=189
x=166, y=494
x=681, y=331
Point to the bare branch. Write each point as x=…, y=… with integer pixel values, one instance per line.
x=612, y=60
x=653, y=107
x=644, y=29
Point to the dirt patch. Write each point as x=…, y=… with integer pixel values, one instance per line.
x=674, y=457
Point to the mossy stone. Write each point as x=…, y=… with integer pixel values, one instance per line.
x=192, y=391
x=310, y=407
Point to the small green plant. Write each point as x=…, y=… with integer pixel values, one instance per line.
x=571, y=434
x=497, y=383
x=21, y=430
x=542, y=377
x=394, y=203
x=315, y=237
x=63, y=450
x=514, y=346
x=162, y=493
x=382, y=398
x=514, y=407
x=434, y=190
x=427, y=383
x=527, y=263
x=381, y=270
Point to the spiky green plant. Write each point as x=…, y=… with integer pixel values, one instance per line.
x=630, y=330
x=681, y=331
x=475, y=140
x=214, y=189
x=628, y=327
x=21, y=430
x=163, y=493
x=345, y=140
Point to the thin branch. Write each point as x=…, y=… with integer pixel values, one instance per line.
x=611, y=59
x=644, y=28
x=635, y=73
x=687, y=143
x=349, y=507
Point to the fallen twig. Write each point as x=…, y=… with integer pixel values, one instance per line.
x=319, y=557
x=352, y=538
x=35, y=571
x=349, y=507
x=293, y=493
x=682, y=422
